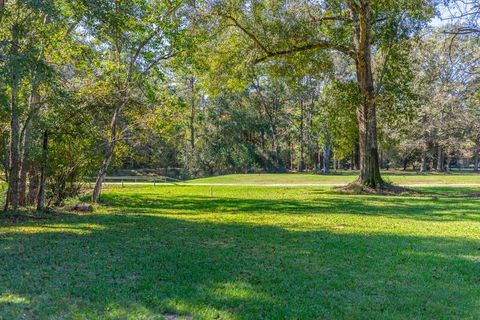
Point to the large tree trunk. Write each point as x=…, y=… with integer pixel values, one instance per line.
x=405, y=163
x=449, y=162
x=107, y=157
x=32, y=185
x=440, y=160
x=357, y=157
x=42, y=191
x=366, y=112
x=14, y=146
x=423, y=165
x=326, y=157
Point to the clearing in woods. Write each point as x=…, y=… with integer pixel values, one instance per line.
x=243, y=252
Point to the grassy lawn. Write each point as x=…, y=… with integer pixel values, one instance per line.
x=236, y=252
x=342, y=177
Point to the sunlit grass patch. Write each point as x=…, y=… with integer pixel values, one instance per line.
x=340, y=178
x=80, y=229
x=9, y=298
x=241, y=252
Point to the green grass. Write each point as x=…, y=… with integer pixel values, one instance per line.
x=342, y=177
x=236, y=252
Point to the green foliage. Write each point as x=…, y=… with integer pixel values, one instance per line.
x=224, y=86
x=338, y=116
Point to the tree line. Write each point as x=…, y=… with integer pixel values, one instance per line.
x=221, y=86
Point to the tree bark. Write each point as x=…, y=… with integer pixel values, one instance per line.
x=357, y=157
x=42, y=191
x=301, y=163
x=366, y=112
x=440, y=160
x=14, y=145
x=107, y=157
x=26, y=163
x=22, y=182
x=32, y=185
x=449, y=162
x=326, y=157
x=192, y=114
x=423, y=165
x=316, y=155
x=476, y=157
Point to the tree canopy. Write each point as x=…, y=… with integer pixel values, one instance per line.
x=195, y=88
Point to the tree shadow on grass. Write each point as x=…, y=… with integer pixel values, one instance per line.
x=133, y=266
x=426, y=208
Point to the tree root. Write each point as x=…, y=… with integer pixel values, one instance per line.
x=384, y=189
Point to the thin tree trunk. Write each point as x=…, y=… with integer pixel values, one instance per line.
x=192, y=114
x=309, y=136
x=366, y=112
x=14, y=146
x=301, y=164
x=290, y=144
x=109, y=151
x=22, y=182
x=275, y=147
x=476, y=157
x=42, y=191
x=26, y=141
x=316, y=155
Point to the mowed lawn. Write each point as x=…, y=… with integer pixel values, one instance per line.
x=341, y=178
x=242, y=252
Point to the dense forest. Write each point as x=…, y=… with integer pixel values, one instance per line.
x=196, y=88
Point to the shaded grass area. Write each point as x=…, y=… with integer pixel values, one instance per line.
x=248, y=253
x=342, y=177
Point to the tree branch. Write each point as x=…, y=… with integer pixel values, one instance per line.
x=248, y=33
x=319, y=45
x=270, y=54
x=166, y=56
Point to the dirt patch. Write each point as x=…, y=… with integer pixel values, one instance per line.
x=79, y=207
x=386, y=189
x=174, y=316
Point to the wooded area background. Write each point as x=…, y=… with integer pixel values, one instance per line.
x=224, y=86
